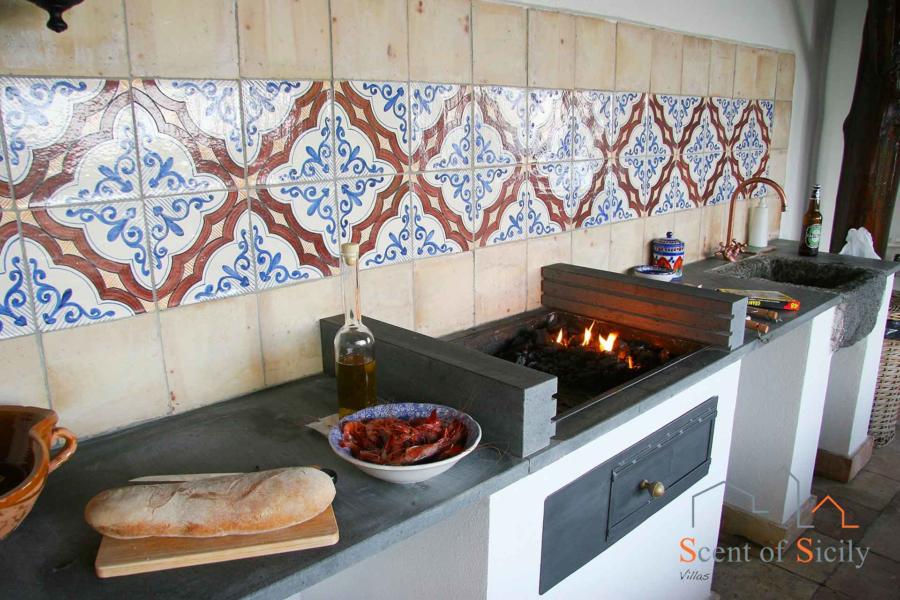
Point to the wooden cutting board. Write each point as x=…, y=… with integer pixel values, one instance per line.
x=127, y=557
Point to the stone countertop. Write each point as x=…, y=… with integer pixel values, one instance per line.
x=52, y=553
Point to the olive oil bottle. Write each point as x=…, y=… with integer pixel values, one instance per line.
x=354, y=344
x=812, y=225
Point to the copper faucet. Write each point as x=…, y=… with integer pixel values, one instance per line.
x=731, y=250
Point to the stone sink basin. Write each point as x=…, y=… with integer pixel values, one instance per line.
x=797, y=271
x=860, y=289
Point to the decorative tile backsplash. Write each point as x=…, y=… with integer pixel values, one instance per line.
x=462, y=144
x=139, y=189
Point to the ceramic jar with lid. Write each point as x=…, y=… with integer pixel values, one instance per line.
x=668, y=252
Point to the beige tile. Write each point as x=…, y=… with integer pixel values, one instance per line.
x=595, y=53
x=689, y=229
x=284, y=39
x=666, y=63
x=545, y=251
x=654, y=228
x=92, y=46
x=626, y=245
x=289, y=327
x=212, y=351
x=741, y=221
x=500, y=281
x=500, y=43
x=590, y=247
x=21, y=356
x=106, y=376
x=721, y=69
x=695, y=70
x=551, y=49
x=784, y=78
x=369, y=39
x=444, y=293
x=766, y=67
x=633, y=54
x=745, y=66
x=781, y=128
x=714, y=222
x=440, y=44
x=774, y=217
x=173, y=38
x=387, y=294
x=778, y=166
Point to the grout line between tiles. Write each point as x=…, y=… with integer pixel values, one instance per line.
x=246, y=188
x=170, y=407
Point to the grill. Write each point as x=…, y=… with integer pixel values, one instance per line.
x=520, y=376
x=591, y=359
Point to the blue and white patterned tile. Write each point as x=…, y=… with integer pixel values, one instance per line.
x=588, y=177
x=725, y=184
x=288, y=131
x=592, y=136
x=501, y=201
x=371, y=215
x=605, y=202
x=282, y=257
x=699, y=173
x=727, y=112
x=751, y=144
x=441, y=132
x=372, y=128
x=450, y=193
x=16, y=316
x=500, y=117
x=113, y=234
x=551, y=200
x=646, y=161
x=767, y=107
x=628, y=112
x=224, y=265
x=674, y=115
x=549, y=125
x=178, y=229
x=674, y=195
x=70, y=141
x=703, y=138
x=443, y=213
x=87, y=263
x=189, y=136
x=310, y=210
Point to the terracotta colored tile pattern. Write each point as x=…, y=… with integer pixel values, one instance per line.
x=120, y=197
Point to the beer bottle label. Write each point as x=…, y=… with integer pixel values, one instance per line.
x=813, y=233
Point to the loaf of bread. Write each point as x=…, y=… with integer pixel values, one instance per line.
x=228, y=505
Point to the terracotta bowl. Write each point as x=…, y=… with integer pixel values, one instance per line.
x=26, y=436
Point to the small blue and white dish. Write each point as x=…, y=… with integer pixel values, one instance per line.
x=406, y=411
x=654, y=272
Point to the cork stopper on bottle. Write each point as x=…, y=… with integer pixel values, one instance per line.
x=350, y=253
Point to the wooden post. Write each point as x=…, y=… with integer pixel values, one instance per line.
x=869, y=171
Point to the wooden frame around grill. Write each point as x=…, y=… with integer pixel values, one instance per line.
x=682, y=311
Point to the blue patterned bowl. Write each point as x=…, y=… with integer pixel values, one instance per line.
x=654, y=272
x=406, y=411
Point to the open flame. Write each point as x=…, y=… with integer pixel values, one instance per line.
x=606, y=343
x=586, y=338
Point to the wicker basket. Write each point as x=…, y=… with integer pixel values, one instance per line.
x=883, y=424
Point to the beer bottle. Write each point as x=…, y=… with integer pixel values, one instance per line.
x=812, y=225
